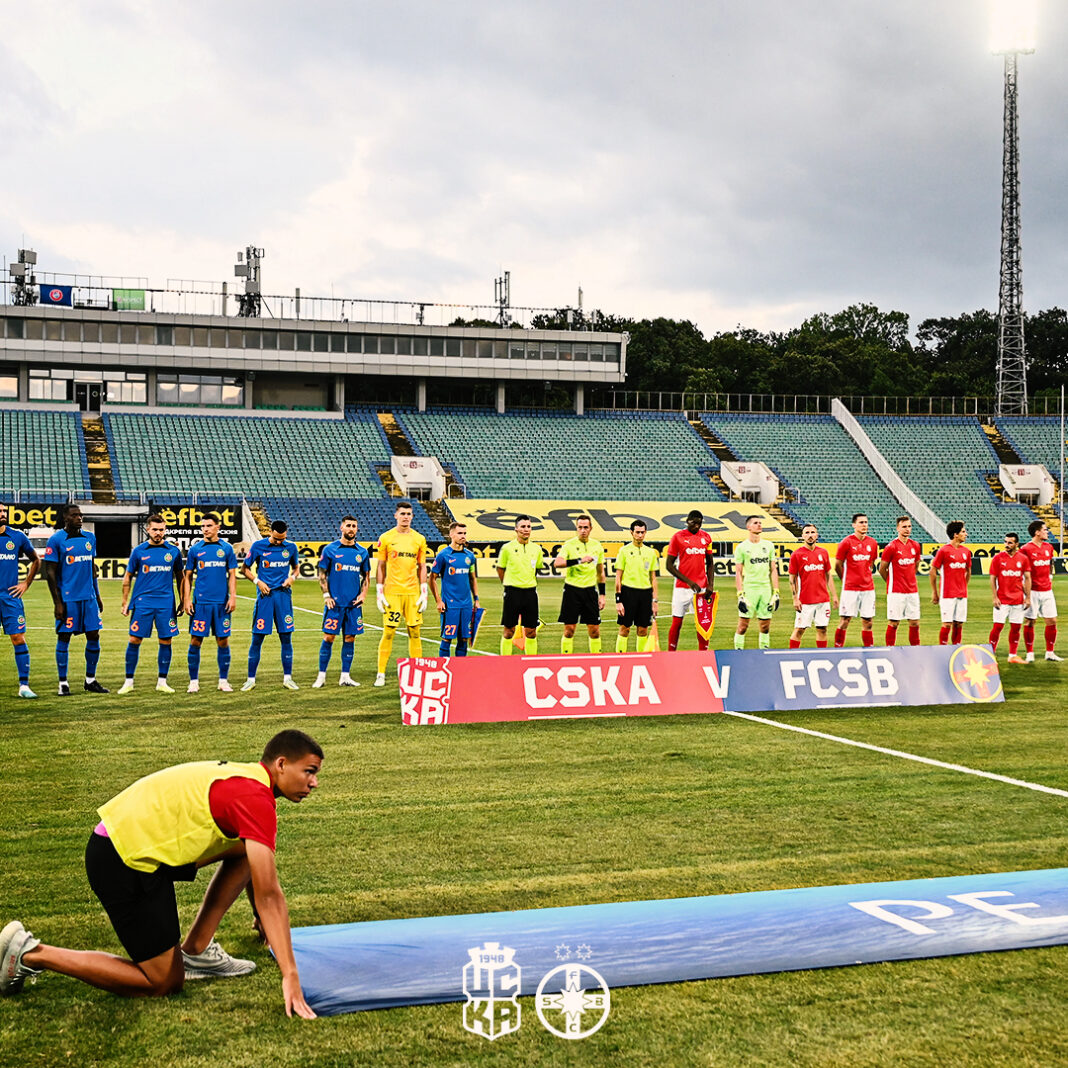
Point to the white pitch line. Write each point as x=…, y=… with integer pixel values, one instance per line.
x=904, y=756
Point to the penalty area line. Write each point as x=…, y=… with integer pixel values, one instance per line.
x=903, y=755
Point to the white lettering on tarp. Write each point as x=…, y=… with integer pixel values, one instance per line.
x=860, y=677
x=530, y=688
x=935, y=910
x=720, y=685
x=599, y=686
x=424, y=693
x=1005, y=912
x=931, y=910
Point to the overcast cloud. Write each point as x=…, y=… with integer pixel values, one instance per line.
x=731, y=163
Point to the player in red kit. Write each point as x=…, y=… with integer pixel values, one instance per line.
x=854, y=560
x=950, y=571
x=1010, y=581
x=1040, y=553
x=898, y=569
x=812, y=586
x=689, y=559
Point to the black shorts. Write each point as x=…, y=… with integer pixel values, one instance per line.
x=520, y=605
x=637, y=607
x=141, y=905
x=580, y=605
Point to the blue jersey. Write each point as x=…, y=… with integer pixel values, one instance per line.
x=154, y=569
x=272, y=562
x=74, y=555
x=345, y=567
x=211, y=563
x=455, y=567
x=13, y=543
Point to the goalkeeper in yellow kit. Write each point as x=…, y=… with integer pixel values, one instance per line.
x=401, y=586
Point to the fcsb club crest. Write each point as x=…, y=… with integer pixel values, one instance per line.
x=974, y=671
x=491, y=986
x=10, y=545
x=425, y=688
x=219, y=553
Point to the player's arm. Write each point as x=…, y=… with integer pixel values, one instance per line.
x=994, y=590
x=178, y=574
x=185, y=592
x=839, y=563
x=502, y=560
x=96, y=582
x=1027, y=585
x=324, y=582
x=936, y=563
x=795, y=586
x=652, y=584
x=51, y=570
x=884, y=570
x=473, y=578
x=739, y=573
x=773, y=569
x=673, y=570
x=432, y=582
x=231, y=587
x=831, y=591
x=20, y=588
x=127, y=585
x=710, y=568
x=273, y=914
x=967, y=575
x=294, y=567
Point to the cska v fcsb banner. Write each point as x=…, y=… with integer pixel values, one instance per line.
x=436, y=690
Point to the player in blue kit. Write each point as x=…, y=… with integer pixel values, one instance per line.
x=13, y=544
x=70, y=571
x=275, y=560
x=455, y=564
x=344, y=574
x=212, y=565
x=154, y=568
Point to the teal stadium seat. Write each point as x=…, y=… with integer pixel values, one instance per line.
x=1035, y=439
x=42, y=456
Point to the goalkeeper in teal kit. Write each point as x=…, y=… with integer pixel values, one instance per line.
x=756, y=578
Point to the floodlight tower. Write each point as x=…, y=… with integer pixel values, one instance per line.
x=502, y=295
x=1013, y=34
x=24, y=281
x=248, y=304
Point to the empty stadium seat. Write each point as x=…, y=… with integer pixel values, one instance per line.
x=43, y=456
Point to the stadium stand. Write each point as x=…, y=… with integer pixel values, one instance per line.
x=43, y=456
x=318, y=518
x=944, y=460
x=1035, y=439
x=814, y=456
x=550, y=454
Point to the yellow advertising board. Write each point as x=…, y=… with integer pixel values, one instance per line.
x=554, y=521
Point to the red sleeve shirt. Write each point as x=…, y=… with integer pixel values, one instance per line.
x=1008, y=574
x=858, y=555
x=1041, y=560
x=691, y=551
x=812, y=567
x=954, y=565
x=902, y=556
x=244, y=808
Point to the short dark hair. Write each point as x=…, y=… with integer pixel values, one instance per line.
x=292, y=745
x=214, y=517
x=519, y=519
x=1035, y=527
x=155, y=517
x=403, y=504
x=1012, y=534
x=583, y=516
x=750, y=518
x=453, y=525
x=695, y=514
x=901, y=519
x=859, y=515
x=953, y=527
x=812, y=525
x=638, y=523
x=346, y=518
x=280, y=525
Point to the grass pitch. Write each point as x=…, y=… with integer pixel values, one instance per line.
x=412, y=822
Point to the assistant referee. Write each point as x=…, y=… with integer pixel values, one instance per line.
x=517, y=567
x=636, y=602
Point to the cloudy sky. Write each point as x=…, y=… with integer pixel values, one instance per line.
x=727, y=162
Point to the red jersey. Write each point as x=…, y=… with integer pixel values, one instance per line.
x=1040, y=557
x=244, y=808
x=858, y=554
x=954, y=564
x=811, y=566
x=1008, y=574
x=902, y=556
x=690, y=552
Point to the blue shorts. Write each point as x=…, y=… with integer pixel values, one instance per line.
x=12, y=614
x=345, y=621
x=273, y=610
x=209, y=619
x=81, y=617
x=146, y=616
x=456, y=621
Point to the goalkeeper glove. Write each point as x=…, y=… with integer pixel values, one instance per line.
x=380, y=598
x=743, y=608
x=775, y=602
x=421, y=603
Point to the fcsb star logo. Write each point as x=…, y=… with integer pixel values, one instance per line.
x=974, y=671
x=568, y=994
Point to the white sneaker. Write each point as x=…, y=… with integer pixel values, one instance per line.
x=320, y=681
x=1053, y=656
x=215, y=963
x=126, y=687
x=250, y=684
x=163, y=686
x=15, y=942
x=380, y=679
x=194, y=686
x=64, y=689
x=1030, y=658
x=347, y=680
x=225, y=686
x=25, y=691
x=289, y=684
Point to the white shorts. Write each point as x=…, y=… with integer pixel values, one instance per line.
x=813, y=615
x=1042, y=604
x=1009, y=613
x=902, y=606
x=681, y=600
x=857, y=603
x=953, y=609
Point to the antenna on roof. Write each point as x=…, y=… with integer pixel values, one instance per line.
x=24, y=287
x=502, y=296
x=249, y=302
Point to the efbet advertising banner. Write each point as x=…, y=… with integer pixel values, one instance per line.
x=127, y=300
x=436, y=690
x=554, y=521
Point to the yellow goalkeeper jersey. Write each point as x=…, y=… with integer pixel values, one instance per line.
x=403, y=554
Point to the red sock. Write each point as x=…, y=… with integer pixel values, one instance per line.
x=958, y=633
x=943, y=634
x=795, y=643
x=1051, y=636
x=839, y=637
x=702, y=643
x=891, y=635
x=995, y=634
x=821, y=643
x=674, y=632
x=914, y=634
x=1029, y=636
x=867, y=638
x=1014, y=638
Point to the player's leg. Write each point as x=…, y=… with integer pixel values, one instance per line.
x=348, y=651
x=63, y=633
x=1030, y=616
x=999, y=616
x=89, y=625
x=960, y=617
x=22, y=664
x=593, y=634
x=681, y=603
x=1049, y=613
x=567, y=641
x=847, y=606
x=391, y=620
x=528, y=618
x=569, y=616
x=166, y=632
x=228, y=882
x=331, y=625
x=764, y=622
x=743, y=619
x=192, y=661
x=262, y=625
x=894, y=616
x=282, y=604
x=133, y=652
x=13, y=623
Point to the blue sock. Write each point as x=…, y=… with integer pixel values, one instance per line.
x=132, y=653
x=461, y=647
x=325, y=649
x=22, y=663
x=287, y=653
x=92, y=656
x=163, y=660
x=224, y=661
x=443, y=649
x=62, y=653
x=347, y=651
x=193, y=659
x=254, y=651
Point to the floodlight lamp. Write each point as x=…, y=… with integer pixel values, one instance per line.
x=18, y=270
x=27, y=255
x=240, y=270
x=1013, y=26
